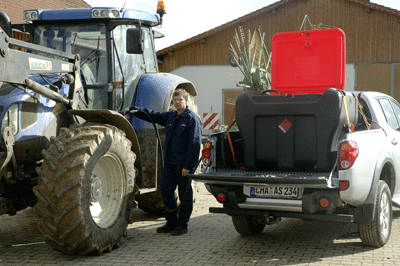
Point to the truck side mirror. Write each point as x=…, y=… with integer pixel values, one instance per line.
x=134, y=41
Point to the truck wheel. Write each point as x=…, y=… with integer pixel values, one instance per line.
x=85, y=190
x=377, y=233
x=245, y=225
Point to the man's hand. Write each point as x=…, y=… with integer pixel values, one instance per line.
x=185, y=172
x=126, y=111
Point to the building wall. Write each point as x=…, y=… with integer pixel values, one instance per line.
x=211, y=81
x=382, y=77
x=372, y=34
x=350, y=82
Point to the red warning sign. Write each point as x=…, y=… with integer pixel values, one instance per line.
x=285, y=126
x=210, y=120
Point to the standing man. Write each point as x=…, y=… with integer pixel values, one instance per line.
x=182, y=148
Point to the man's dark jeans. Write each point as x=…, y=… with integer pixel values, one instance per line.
x=172, y=177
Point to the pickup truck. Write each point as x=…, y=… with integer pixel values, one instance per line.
x=330, y=156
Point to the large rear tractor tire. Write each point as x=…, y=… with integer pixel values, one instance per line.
x=86, y=189
x=377, y=233
x=246, y=225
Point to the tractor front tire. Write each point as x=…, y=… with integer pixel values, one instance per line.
x=86, y=189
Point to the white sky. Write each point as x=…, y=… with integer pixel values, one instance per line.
x=188, y=18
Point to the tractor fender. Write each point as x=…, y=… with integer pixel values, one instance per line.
x=113, y=118
x=180, y=83
x=154, y=91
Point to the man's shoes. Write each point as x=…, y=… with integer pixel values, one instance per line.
x=179, y=231
x=165, y=229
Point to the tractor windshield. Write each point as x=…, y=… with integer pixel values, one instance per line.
x=89, y=41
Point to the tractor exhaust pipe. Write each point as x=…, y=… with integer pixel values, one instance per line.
x=5, y=23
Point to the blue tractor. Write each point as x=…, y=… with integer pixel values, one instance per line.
x=65, y=149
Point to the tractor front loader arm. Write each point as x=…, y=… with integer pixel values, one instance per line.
x=19, y=60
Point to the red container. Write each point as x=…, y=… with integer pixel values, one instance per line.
x=308, y=61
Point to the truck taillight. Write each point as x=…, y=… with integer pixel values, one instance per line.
x=221, y=197
x=348, y=154
x=206, y=153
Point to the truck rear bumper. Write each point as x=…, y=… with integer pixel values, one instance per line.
x=321, y=217
x=241, y=177
x=273, y=204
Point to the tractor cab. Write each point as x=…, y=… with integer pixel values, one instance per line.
x=116, y=46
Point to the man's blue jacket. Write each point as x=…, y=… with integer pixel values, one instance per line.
x=182, y=135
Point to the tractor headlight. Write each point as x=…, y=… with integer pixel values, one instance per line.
x=11, y=119
x=30, y=15
x=105, y=13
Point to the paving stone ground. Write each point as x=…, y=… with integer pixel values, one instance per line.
x=211, y=240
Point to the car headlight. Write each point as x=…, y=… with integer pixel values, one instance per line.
x=11, y=119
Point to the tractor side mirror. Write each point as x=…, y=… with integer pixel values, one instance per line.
x=134, y=41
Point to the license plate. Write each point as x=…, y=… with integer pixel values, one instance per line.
x=274, y=191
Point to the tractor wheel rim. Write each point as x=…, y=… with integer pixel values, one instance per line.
x=107, y=190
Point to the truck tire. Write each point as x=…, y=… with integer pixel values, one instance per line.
x=377, y=233
x=245, y=225
x=152, y=202
x=86, y=189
